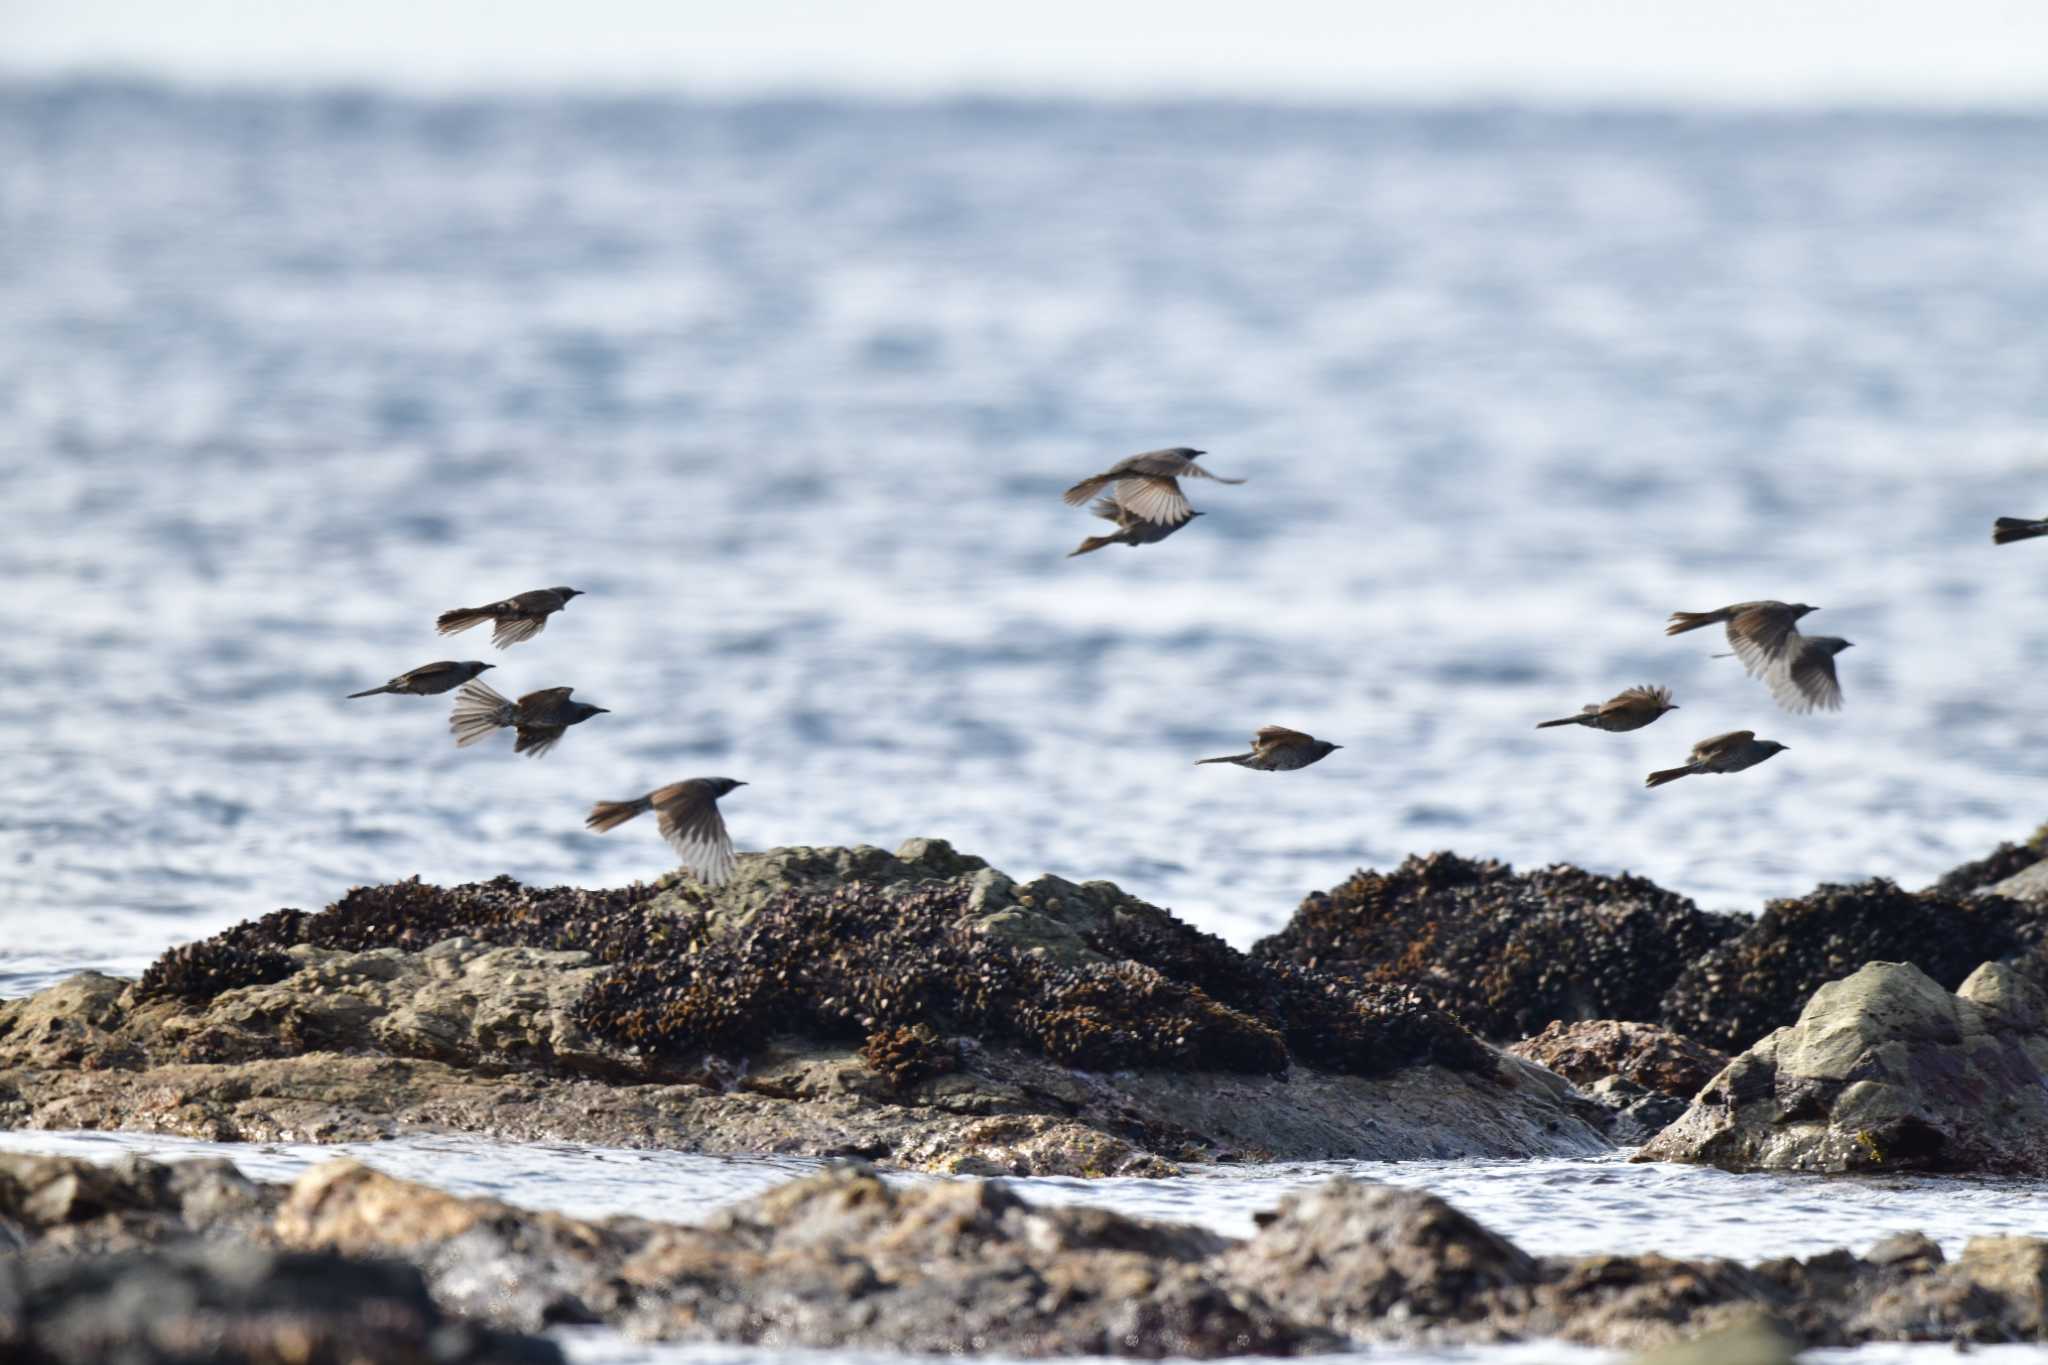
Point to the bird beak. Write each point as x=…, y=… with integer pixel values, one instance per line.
x=1336, y=746
x=604, y=710
x=743, y=784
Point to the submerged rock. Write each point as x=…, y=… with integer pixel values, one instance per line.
x=1761, y=978
x=1506, y=952
x=845, y=1260
x=920, y=1008
x=1884, y=1070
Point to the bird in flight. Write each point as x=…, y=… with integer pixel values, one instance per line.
x=689, y=820
x=1277, y=749
x=429, y=680
x=1630, y=710
x=2006, y=530
x=1148, y=485
x=1729, y=753
x=540, y=718
x=1798, y=669
x=517, y=618
x=1131, y=529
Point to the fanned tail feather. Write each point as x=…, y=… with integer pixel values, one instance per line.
x=461, y=619
x=478, y=711
x=1085, y=490
x=608, y=815
x=1682, y=621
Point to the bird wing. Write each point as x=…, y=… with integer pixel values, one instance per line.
x=535, y=740
x=511, y=630
x=537, y=602
x=540, y=707
x=1193, y=470
x=1808, y=682
x=1109, y=510
x=696, y=831
x=1088, y=488
x=1154, y=497
x=1721, y=745
x=1641, y=696
x=1279, y=737
x=1761, y=636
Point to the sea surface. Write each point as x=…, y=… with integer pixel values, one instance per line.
x=791, y=388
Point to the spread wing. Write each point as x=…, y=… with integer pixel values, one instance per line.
x=1761, y=637
x=1108, y=510
x=543, y=703
x=1155, y=498
x=1193, y=470
x=696, y=831
x=1809, y=682
x=511, y=630
x=535, y=740
x=1709, y=749
x=1642, y=696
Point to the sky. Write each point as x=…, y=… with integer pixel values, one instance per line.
x=1959, y=53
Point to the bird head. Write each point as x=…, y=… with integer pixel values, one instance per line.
x=1324, y=748
x=721, y=785
x=1800, y=609
x=1771, y=746
x=477, y=666
x=1835, y=645
x=566, y=593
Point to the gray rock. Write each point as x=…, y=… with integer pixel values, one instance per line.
x=2028, y=884
x=1884, y=1070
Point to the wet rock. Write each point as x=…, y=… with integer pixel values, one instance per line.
x=1506, y=952
x=1758, y=1341
x=1640, y=1075
x=65, y=1206
x=846, y=1260
x=918, y=1007
x=1885, y=1070
x=2029, y=884
x=240, y=1305
x=1760, y=979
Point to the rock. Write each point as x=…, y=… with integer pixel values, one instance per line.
x=1760, y=979
x=845, y=1260
x=240, y=1305
x=1884, y=1070
x=1758, y=1341
x=2028, y=884
x=1505, y=952
x=1652, y=1059
x=920, y=1008
x=64, y=1206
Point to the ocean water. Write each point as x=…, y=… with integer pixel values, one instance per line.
x=791, y=390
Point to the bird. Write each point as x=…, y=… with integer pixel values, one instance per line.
x=1805, y=679
x=1131, y=529
x=2006, y=530
x=1277, y=749
x=1729, y=753
x=539, y=717
x=1630, y=710
x=429, y=680
x=689, y=821
x=1761, y=633
x=1148, y=485
x=515, y=619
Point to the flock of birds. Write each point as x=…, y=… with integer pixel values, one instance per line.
x=1145, y=502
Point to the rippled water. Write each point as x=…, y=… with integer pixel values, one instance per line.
x=791, y=389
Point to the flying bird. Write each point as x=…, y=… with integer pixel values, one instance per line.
x=539, y=717
x=1148, y=485
x=1277, y=749
x=689, y=821
x=1630, y=710
x=1806, y=679
x=1760, y=633
x=2006, y=530
x=515, y=619
x=1131, y=529
x=429, y=680
x=1729, y=753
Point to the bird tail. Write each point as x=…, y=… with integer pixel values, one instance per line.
x=478, y=711
x=1227, y=758
x=1092, y=544
x=2006, y=530
x=607, y=815
x=461, y=619
x=1086, y=489
x=1568, y=720
x=1682, y=621
x=1658, y=779
x=387, y=687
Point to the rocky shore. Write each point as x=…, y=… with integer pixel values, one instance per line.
x=918, y=1008
x=845, y=1259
